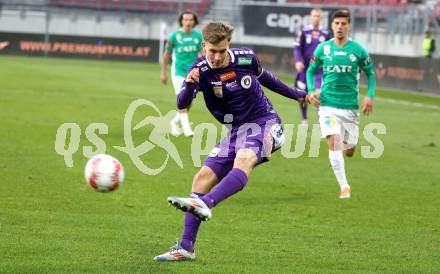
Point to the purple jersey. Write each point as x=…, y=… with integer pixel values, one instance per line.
x=234, y=95
x=236, y=89
x=308, y=40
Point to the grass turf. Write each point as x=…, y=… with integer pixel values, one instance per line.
x=287, y=220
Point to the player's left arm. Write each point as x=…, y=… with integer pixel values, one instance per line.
x=189, y=88
x=270, y=81
x=366, y=64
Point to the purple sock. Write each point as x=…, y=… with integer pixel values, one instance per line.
x=232, y=183
x=303, y=108
x=191, y=226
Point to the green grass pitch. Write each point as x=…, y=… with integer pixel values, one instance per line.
x=287, y=220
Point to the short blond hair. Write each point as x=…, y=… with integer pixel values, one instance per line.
x=215, y=32
x=316, y=9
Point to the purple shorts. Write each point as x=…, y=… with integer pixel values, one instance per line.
x=263, y=136
x=301, y=80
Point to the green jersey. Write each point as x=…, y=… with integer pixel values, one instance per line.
x=341, y=68
x=184, y=48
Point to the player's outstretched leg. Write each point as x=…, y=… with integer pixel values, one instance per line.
x=232, y=183
x=201, y=207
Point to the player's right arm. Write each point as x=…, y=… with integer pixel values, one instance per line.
x=189, y=88
x=297, y=53
x=166, y=58
x=367, y=66
x=163, y=72
x=271, y=82
x=315, y=64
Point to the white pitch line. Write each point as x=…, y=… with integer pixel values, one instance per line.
x=406, y=103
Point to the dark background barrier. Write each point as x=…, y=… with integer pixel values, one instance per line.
x=276, y=21
x=401, y=73
x=79, y=47
x=408, y=73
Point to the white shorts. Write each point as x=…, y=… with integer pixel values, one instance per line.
x=177, y=82
x=344, y=122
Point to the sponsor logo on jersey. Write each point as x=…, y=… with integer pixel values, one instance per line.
x=244, y=60
x=238, y=52
x=321, y=38
x=246, y=81
x=337, y=68
x=352, y=57
x=329, y=121
x=339, y=53
x=205, y=68
x=231, y=85
x=187, y=49
x=327, y=49
x=218, y=91
x=228, y=75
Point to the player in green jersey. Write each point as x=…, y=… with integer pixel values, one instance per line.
x=342, y=60
x=183, y=46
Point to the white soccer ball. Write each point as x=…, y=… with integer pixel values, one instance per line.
x=104, y=173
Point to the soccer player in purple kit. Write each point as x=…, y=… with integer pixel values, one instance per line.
x=231, y=82
x=308, y=39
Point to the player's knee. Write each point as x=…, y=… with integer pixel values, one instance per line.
x=334, y=142
x=200, y=182
x=349, y=152
x=245, y=160
x=198, y=178
x=331, y=142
